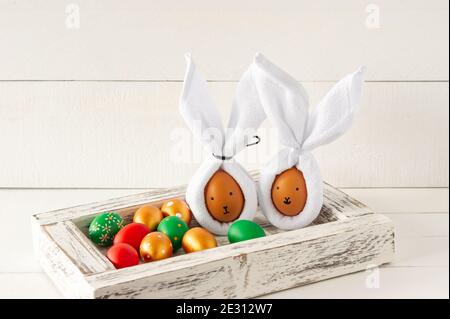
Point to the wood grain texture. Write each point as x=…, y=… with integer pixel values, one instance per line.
x=94, y=134
x=60, y=268
x=262, y=266
x=82, y=252
x=337, y=205
x=417, y=271
x=406, y=207
x=346, y=237
x=146, y=40
x=66, y=134
x=398, y=283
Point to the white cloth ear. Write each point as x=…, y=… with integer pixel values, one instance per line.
x=246, y=115
x=286, y=105
x=283, y=99
x=199, y=111
x=201, y=115
x=334, y=114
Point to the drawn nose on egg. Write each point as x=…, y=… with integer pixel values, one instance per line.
x=224, y=199
x=289, y=192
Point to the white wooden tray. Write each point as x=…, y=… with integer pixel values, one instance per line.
x=346, y=237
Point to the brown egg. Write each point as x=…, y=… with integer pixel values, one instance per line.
x=197, y=239
x=177, y=207
x=148, y=215
x=223, y=197
x=289, y=192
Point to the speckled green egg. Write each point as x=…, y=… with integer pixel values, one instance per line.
x=243, y=229
x=104, y=227
x=175, y=228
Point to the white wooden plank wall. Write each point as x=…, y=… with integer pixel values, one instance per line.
x=97, y=134
x=95, y=106
x=145, y=40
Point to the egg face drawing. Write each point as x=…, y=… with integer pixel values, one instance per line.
x=223, y=197
x=289, y=192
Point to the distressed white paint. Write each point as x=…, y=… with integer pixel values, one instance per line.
x=125, y=42
x=82, y=252
x=271, y=264
x=62, y=270
x=417, y=213
x=138, y=39
x=422, y=236
x=347, y=237
x=396, y=282
x=92, y=134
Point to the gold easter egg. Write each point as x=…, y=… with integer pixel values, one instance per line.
x=197, y=239
x=148, y=215
x=155, y=246
x=177, y=207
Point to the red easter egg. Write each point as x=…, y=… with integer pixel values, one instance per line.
x=123, y=255
x=132, y=234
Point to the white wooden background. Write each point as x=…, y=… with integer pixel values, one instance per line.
x=95, y=106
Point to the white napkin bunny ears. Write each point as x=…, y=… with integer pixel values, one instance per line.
x=201, y=115
x=285, y=103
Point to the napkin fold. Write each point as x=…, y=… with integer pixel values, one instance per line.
x=202, y=117
x=285, y=102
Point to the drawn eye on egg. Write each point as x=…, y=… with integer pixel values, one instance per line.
x=289, y=192
x=225, y=199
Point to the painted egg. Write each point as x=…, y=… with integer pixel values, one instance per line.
x=132, y=234
x=148, y=215
x=155, y=246
x=197, y=239
x=177, y=207
x=103, y=228
x=174, y=228
x=243, y=229
x=289, y=192
x=123, y=255
x=223, y=197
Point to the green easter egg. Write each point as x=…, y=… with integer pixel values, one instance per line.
x=243, y=229
x=174, y=228
x=104, y=227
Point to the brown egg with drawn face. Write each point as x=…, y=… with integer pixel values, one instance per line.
x=289, y=192
x=223, y=197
